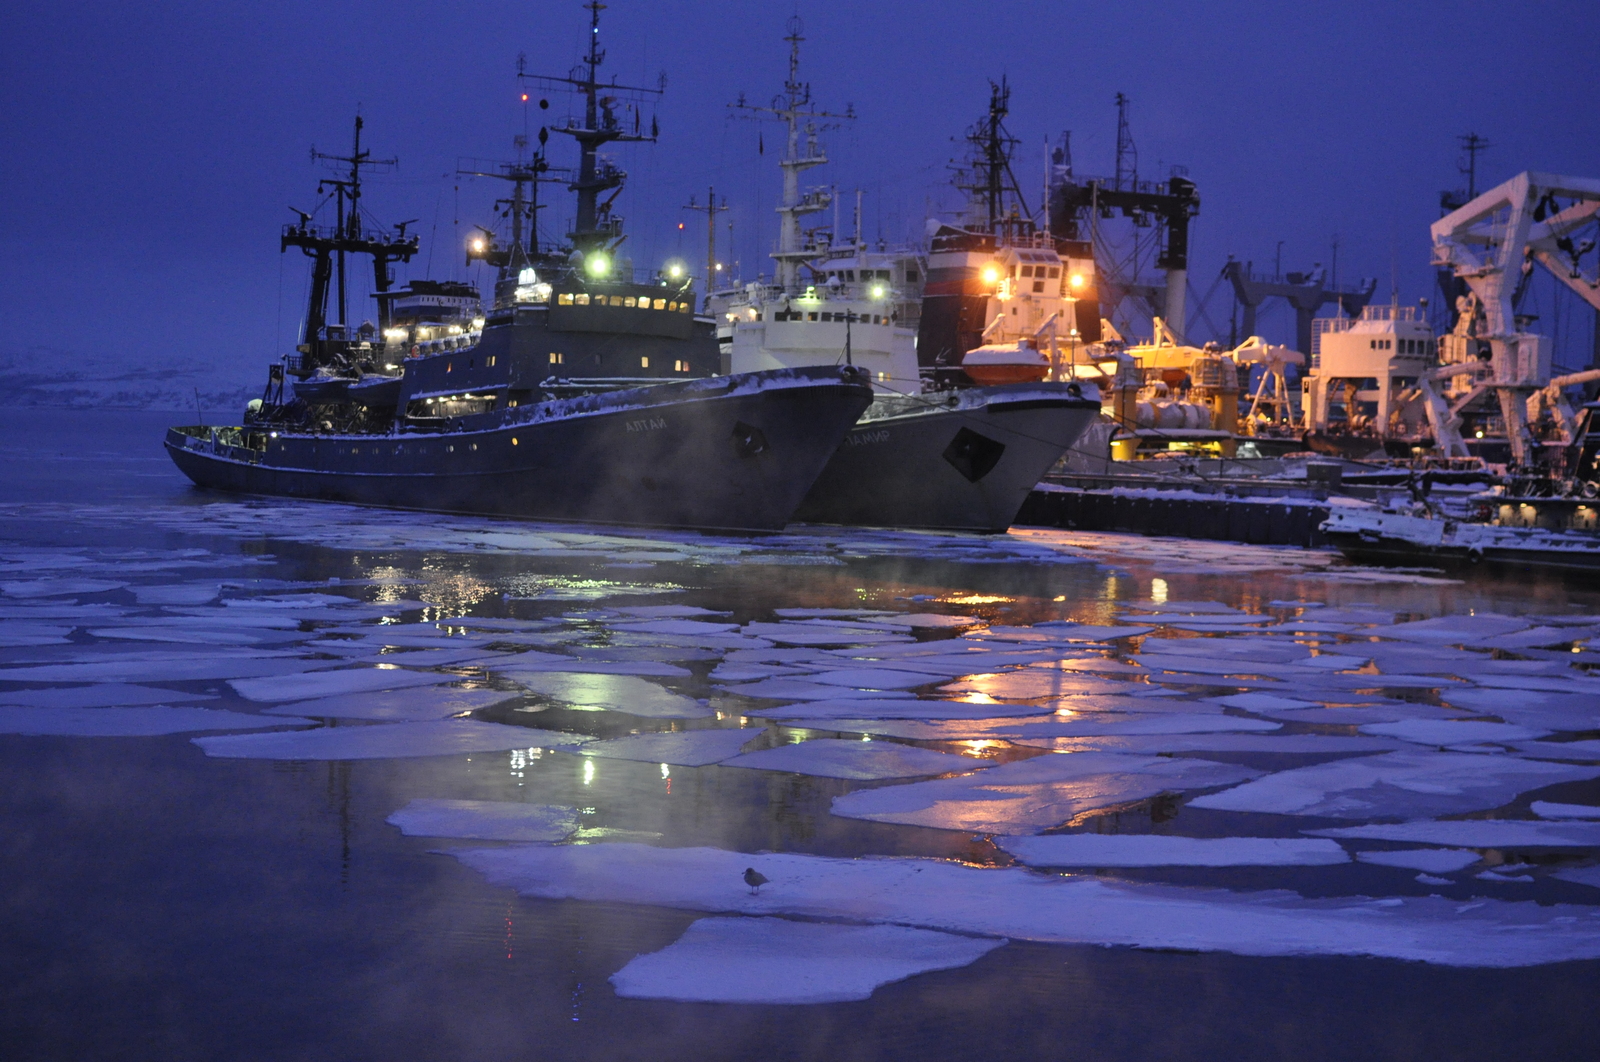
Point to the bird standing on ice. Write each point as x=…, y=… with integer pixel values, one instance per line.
x=754, y=879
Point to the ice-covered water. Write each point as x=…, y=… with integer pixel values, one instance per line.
x=236, y=733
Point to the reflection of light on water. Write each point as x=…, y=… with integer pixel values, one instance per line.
x=975, y=599
x=588, y=771
x=1065, y=712
x=666, y=771
x=866, y=737
x=979, y=748
x=1158, y=591
x=978, y=696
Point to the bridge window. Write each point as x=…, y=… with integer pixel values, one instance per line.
x=644, y=363
x=911, y=276
x=616, y=300
x=581, y=300
x=1055, y=271
x=1027, y=271
x=683, y=307
x=564, y=299
x=660, y=304
x=556, y=359
x=673, y=306
x=629, y=301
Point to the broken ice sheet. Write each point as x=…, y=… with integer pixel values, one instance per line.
x=405, y=705
x=1023, y=905
x=621, y=693
x=1554, y=710
x=1410, y=783
x=1095, y=724
x=485, y=820
x=130, y=722
x=1034, y=683
x=1580, y=876
x=1478, y=833
x=774, y=960
x=1455, y=630
x=1151, y=744
x=317, y=684
x=804, y=689
x=1429, y=860
x=386, y=741
x=684, y=748
x=1156, y=850
x=1547, y=810
x=906, y=708
x=103, y=695
x=856, y=760
x=57, y=587
x=1451, y=732
x=213, y=664
x=1028, y=796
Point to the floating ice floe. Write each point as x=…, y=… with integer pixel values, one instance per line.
x=1554, y=711
x=899, y=708
x=677, y=626
x=407, y=705
x=31, y=588
x=1023, y=905
x=856, y=760
x=380, y=741
x=103, y=695
x=311, y=685
x=199, y=634
x=620, y=693
x=216, y=664
x=1361, y=714
x=130, y=722
x=485, y=820
x=1586, y=751
x=1156, y=850
x=1580, y=876
x=1409, y=782
x=1456, y=630
x=1547, y=810
x=1028, y=796
x=774, y=960
x=1102, y=724
x=18, y=635
x=1478, y=833
x=1429, y=860
x=527, y=663
x=1152, y=744
x=801, y=633
x=1035, y=683
x=683, y=748
x=177, y=594
x=1451, y=732
x=801, y=689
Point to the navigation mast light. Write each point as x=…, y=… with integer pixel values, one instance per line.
x=991, y=274
x=1077, y=280
x=877, y=291
x=478, y=244
x=598, y=265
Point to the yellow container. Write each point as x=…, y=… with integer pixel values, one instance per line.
x=1124, y=449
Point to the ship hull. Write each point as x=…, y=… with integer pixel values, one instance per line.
x=728, y=454
x=962, y=467
x=1398, y=539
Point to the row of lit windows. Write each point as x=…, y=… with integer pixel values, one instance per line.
x=871, y=274
x=643, y=302
x=860, y=318
x=1054, y=272
x=488, y=363
x=1407, y=346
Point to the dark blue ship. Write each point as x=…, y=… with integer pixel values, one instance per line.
x=585, y=391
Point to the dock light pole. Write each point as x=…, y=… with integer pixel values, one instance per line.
x=711, y=210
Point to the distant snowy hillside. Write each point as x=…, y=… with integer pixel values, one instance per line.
x=43, y=376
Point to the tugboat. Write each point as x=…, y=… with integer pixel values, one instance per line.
x=959, y=459
x=586, y=392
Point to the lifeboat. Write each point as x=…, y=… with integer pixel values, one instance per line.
x=1006, y=363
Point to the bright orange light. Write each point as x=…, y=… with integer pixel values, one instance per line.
x=524, y=97
x=680, y=224
x=1077, y=280
x=991, y=274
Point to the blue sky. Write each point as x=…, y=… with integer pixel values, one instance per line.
x=152, y=150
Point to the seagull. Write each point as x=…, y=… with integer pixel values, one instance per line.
x=754, y=879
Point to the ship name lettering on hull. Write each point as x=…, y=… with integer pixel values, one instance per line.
x=868, y=437
x=648, y=424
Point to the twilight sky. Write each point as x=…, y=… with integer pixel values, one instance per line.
x=151, y=150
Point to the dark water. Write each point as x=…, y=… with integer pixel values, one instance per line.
x=157, y=904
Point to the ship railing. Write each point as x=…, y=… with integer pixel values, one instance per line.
x=233, y=443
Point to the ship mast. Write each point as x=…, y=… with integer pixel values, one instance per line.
x=593, y=228
x=347, y=237
x=794, y=107
x=522, y=208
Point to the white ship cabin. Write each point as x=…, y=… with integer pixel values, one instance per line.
x=1360, y=367
x=765, y=327
x=904, y=272
x=431, y=317
x=1034, y=292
